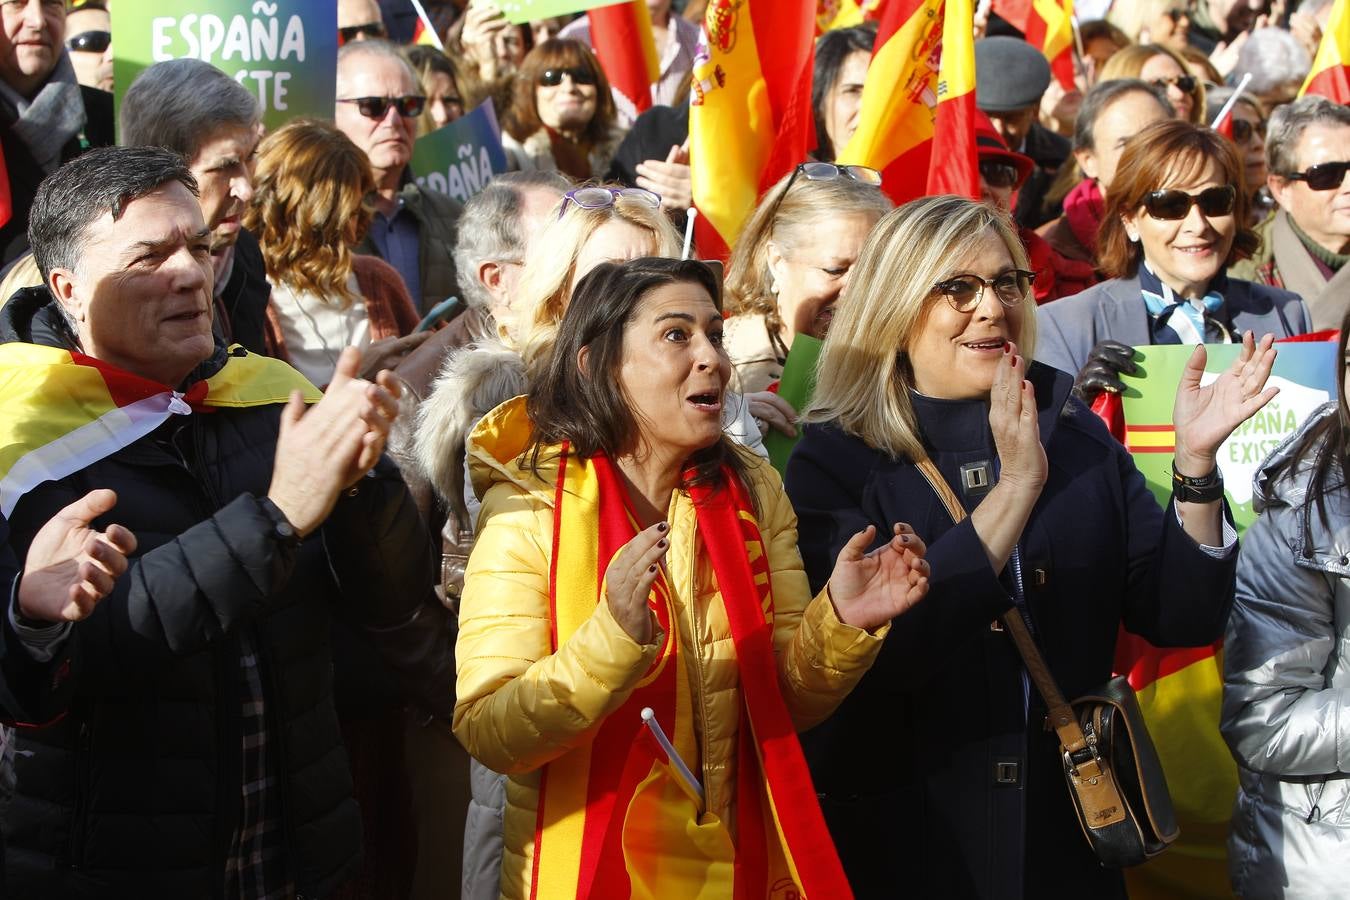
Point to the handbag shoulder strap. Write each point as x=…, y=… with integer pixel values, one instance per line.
x=1062, y=718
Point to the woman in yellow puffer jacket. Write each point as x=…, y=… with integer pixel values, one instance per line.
x=631, y=561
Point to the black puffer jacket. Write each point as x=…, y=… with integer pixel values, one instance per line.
x=136, y=791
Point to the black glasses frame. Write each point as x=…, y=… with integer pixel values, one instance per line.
x=1021, y=282
x=1322, y=177
x=409, y=106
x=1214, y=202
x=370, y=29
x=1185, y=83
x=554, y=77
x=90, y=41
x=998, y=174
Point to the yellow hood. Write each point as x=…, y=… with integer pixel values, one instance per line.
x=497, y=452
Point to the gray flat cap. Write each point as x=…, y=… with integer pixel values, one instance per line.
x=1010, y=74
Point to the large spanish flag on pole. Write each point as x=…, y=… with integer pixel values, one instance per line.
x=917, y=122
x=1048, y=26
x=832, y=14
x=1330, y=74
x=750, y=118
x=622, y=37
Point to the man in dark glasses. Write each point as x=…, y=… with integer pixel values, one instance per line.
x=378, y=102
x=359, y=20
x=46, y=116
x=89, y=40
x=1305, y=244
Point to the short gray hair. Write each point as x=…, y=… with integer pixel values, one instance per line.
x=1102, y=95
x=1274, y=58
x=1287, y=124
x=490, y=230
x=100, y=181
x=378, y=48
x=179, y=103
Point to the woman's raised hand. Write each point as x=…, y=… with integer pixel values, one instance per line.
x=629, y=579
x=1205, y=416
x=1012, y=419
x=870, y=589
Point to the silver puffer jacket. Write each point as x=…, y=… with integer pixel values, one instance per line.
x=1286, y=694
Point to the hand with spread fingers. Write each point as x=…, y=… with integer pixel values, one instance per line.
x=1013, y=421
x=71, y=566
x=1206, y=416
x=629, y=579
x=1106, y=362
x=871, y=588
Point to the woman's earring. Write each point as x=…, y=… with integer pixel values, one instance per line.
x=773, y=287
x=1134, y=238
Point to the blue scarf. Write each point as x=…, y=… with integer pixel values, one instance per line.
x=1176, y=320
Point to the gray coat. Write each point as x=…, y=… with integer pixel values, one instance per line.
x=1068, y=328
x=1286, y=693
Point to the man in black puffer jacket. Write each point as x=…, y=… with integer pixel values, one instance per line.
x=201, y=755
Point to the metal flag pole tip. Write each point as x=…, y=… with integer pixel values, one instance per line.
x=690, y=782
x=688, y=231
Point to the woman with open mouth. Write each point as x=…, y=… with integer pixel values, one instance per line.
x=936, y=772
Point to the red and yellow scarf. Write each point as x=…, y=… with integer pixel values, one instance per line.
x=614, y=820
x=64, y=411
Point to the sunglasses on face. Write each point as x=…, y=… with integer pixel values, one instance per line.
x=1323, y=176
x=964, y=292
x=1177, y=13
x=1184, y=83
x=600, y=197
x=554, y=77
x=370, y=29
x=1174, y=204
x=409, y=107
x=1243, y=131
x=90, y=41
x=998, y=174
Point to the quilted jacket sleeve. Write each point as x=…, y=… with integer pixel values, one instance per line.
x=820, y=659
x=520, y=704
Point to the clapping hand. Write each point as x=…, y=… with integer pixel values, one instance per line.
x=871, y=588
x=1205, y=416
x=629, y=579
x=70, y=566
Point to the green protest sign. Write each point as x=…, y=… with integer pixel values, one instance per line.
x=283, y=51
x=1304, y=372
x=796, y=387
x=521, y=11
x=460, y=159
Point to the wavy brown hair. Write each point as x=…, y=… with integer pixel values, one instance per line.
x=309, y=207
x=558, y=53
x=1162, y=152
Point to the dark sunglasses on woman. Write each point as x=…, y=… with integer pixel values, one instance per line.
x=90, y=41
x=1174, y=204
x=1185, y=83
x=409, y=107
x=1323, y=176
x=1244, y=130
x=554, y=77
x=998, y=174
x=370, y=30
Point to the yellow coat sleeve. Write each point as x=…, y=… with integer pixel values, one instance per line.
x=518, y=704
x=820, y=659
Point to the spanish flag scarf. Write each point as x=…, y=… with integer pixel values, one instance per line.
x=64, y=411
x=614, y=819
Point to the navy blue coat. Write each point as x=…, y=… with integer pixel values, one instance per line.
x=908, y=767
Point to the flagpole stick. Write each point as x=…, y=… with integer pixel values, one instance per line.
x=690, y=782
x=688, y=232
x=1078, y=52
x=426, y=23
x=1228, y=107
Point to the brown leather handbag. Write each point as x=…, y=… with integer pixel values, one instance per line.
x=1115, y=778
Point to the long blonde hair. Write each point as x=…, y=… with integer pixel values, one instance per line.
x=309, y=207
x=1128, y=62
x=545, y=285
x=863, y=378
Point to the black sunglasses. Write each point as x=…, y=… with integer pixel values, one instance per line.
x=409, y=107
x=90, y=41
x=1185, y=83
x=1174, y=204
x=370, y=29
x=998, y=174
x=963, y=292
x=1244, y=130
x=1323, y=176
x=554, y=77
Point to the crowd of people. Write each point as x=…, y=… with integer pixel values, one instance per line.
x=363, y=543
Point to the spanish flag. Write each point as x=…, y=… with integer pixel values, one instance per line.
x=423, y=34
x=832, y=14
x=1330, y=74
x=65, y=411
x=750, y=116
x=622, y=37
x=918, y=109
x=1048, y=26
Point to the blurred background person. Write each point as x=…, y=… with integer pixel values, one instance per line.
x=89, y=40
x=1278, y=64
x=1217, y=23
x=1176, y=218
x=1249, y=133
x=1059, y=108
x=359, y=20
x=308, y=212
x=1306, y=243
x=440, y=80
x=562, y=116
x=842, y=58
x=1162, y=22
x=792, y=261
x=492, y=50
x=1164, y=68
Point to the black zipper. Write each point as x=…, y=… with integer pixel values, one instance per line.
x=79, y=820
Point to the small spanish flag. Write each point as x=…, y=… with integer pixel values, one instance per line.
x=1048, y=26
x=1330, y=74
x=622, y=37
x=424, y=34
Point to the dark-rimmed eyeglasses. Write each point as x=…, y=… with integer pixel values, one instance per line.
x=90, y=41
x=600, y=197
x=409, y=107
x=1323, y=176
x=1244, y=131
x=965, y=291
x=1174, y=204
x=998, y=174
x=370, y=30
x=1184, y=83
x=554, y=77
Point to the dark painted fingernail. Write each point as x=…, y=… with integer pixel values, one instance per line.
x=652, y=567
x=904, y=539
x=661, y=526
x=662, y=543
